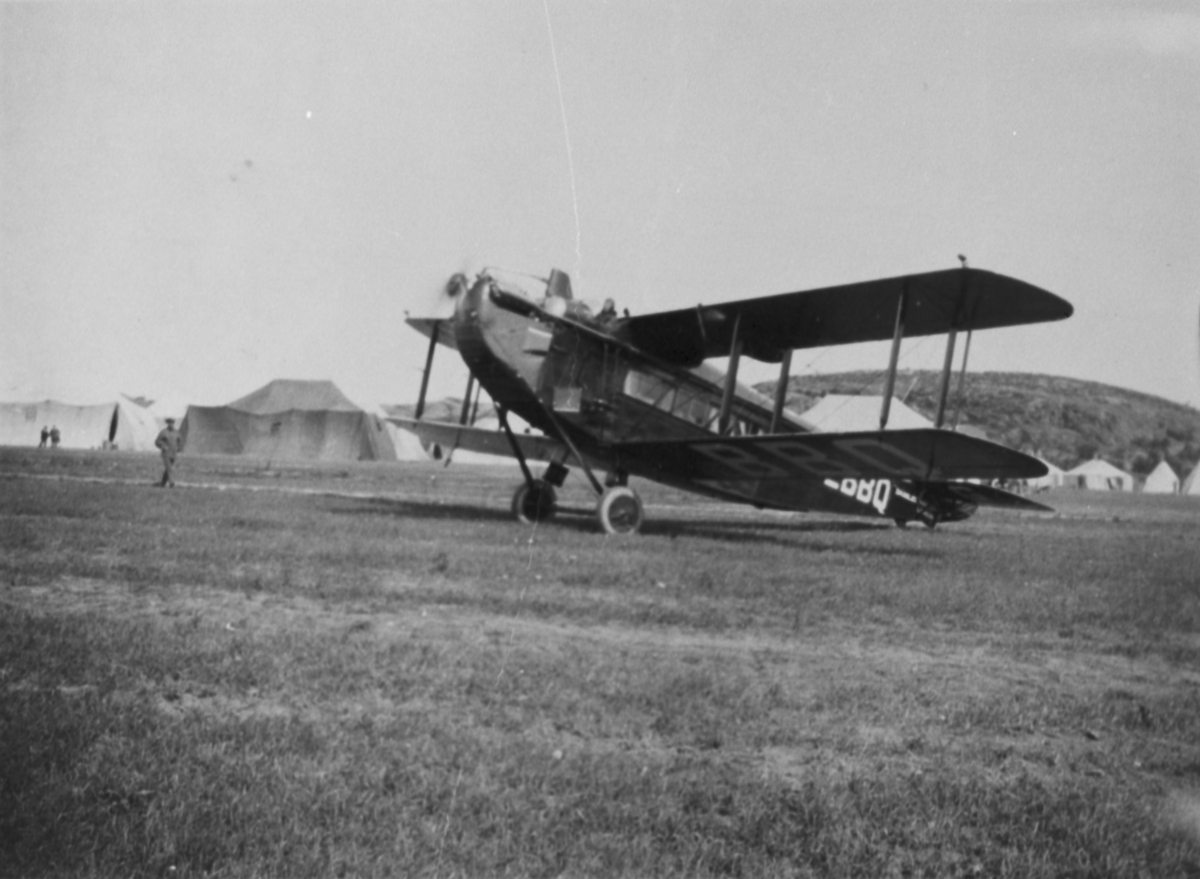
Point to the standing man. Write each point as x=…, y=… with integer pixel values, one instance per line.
x=169, y=442
x=45, y=437
x=55, y=436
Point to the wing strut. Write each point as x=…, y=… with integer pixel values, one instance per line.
x=962, y=378
x=890, y=385
x=463, y=415
x=735, y=355
x=944, y=386
x=433, y=339
x=466, y=406
x=947, y=364
x=781, y=389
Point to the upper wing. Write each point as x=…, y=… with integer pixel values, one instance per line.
x=922, y=454
x=426, y=326
x=937, y=302
x=476, y=439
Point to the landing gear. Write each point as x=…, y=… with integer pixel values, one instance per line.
x=534, y=502
x=620, y=510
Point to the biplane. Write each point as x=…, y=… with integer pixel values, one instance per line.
x=620, y=396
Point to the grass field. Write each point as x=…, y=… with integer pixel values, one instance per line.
x=372, y=670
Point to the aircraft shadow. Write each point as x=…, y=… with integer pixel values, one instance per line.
x=427, y=510
x=583, y=521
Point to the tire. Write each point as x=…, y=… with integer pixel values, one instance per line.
x=533, y=503
x=620, y=511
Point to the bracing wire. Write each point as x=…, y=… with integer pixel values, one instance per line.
x=562, y=107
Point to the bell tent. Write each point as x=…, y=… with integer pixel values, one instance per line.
x=1162, y=480
x=1191, y=485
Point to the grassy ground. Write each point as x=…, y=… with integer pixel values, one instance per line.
x=373, y=670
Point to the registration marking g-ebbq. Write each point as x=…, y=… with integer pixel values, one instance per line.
x=876, y=492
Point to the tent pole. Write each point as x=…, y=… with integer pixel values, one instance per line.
x=889, y=386
x=433, y=338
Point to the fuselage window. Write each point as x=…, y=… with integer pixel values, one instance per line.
x=677, y=398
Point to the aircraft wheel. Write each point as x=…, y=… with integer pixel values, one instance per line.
x=620, y=510
x=533, y=503
x=901, y=523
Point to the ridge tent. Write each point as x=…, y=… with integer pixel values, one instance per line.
x=1162, y=480
x=1098, y=475
x=121, y=424
x=1053, y=479
x=844, y=412
x=288, y=418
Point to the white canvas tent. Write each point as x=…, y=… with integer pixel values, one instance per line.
x=290, y=419
x=120, y=424
x=1191, y=485
x=842, y=412
x=408, y=445
x=1053, y=479
x=1162, y=480
x=1098, y=475
x=169, y=407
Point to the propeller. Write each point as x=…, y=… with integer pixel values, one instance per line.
x=441, y=305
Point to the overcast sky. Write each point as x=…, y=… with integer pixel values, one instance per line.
x=198, y=198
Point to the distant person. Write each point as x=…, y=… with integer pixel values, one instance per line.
x=170, y=443
x=55, y=436
x=608, y=314
x=45, y=437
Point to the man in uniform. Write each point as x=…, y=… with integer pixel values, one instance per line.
x=169, y=442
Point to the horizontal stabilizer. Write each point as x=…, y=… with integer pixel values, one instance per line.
x=984, y=496
x=936, y=302
x=925, y=454
x=477, y=439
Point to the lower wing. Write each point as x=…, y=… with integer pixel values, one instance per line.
x=476, y=439
x=924, y=454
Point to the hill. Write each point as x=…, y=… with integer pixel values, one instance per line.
x=1064, y=420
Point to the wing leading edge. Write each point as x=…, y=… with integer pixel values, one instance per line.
x=427, y=325
x=924, y=454
x=937, y=302
x=476, y=439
